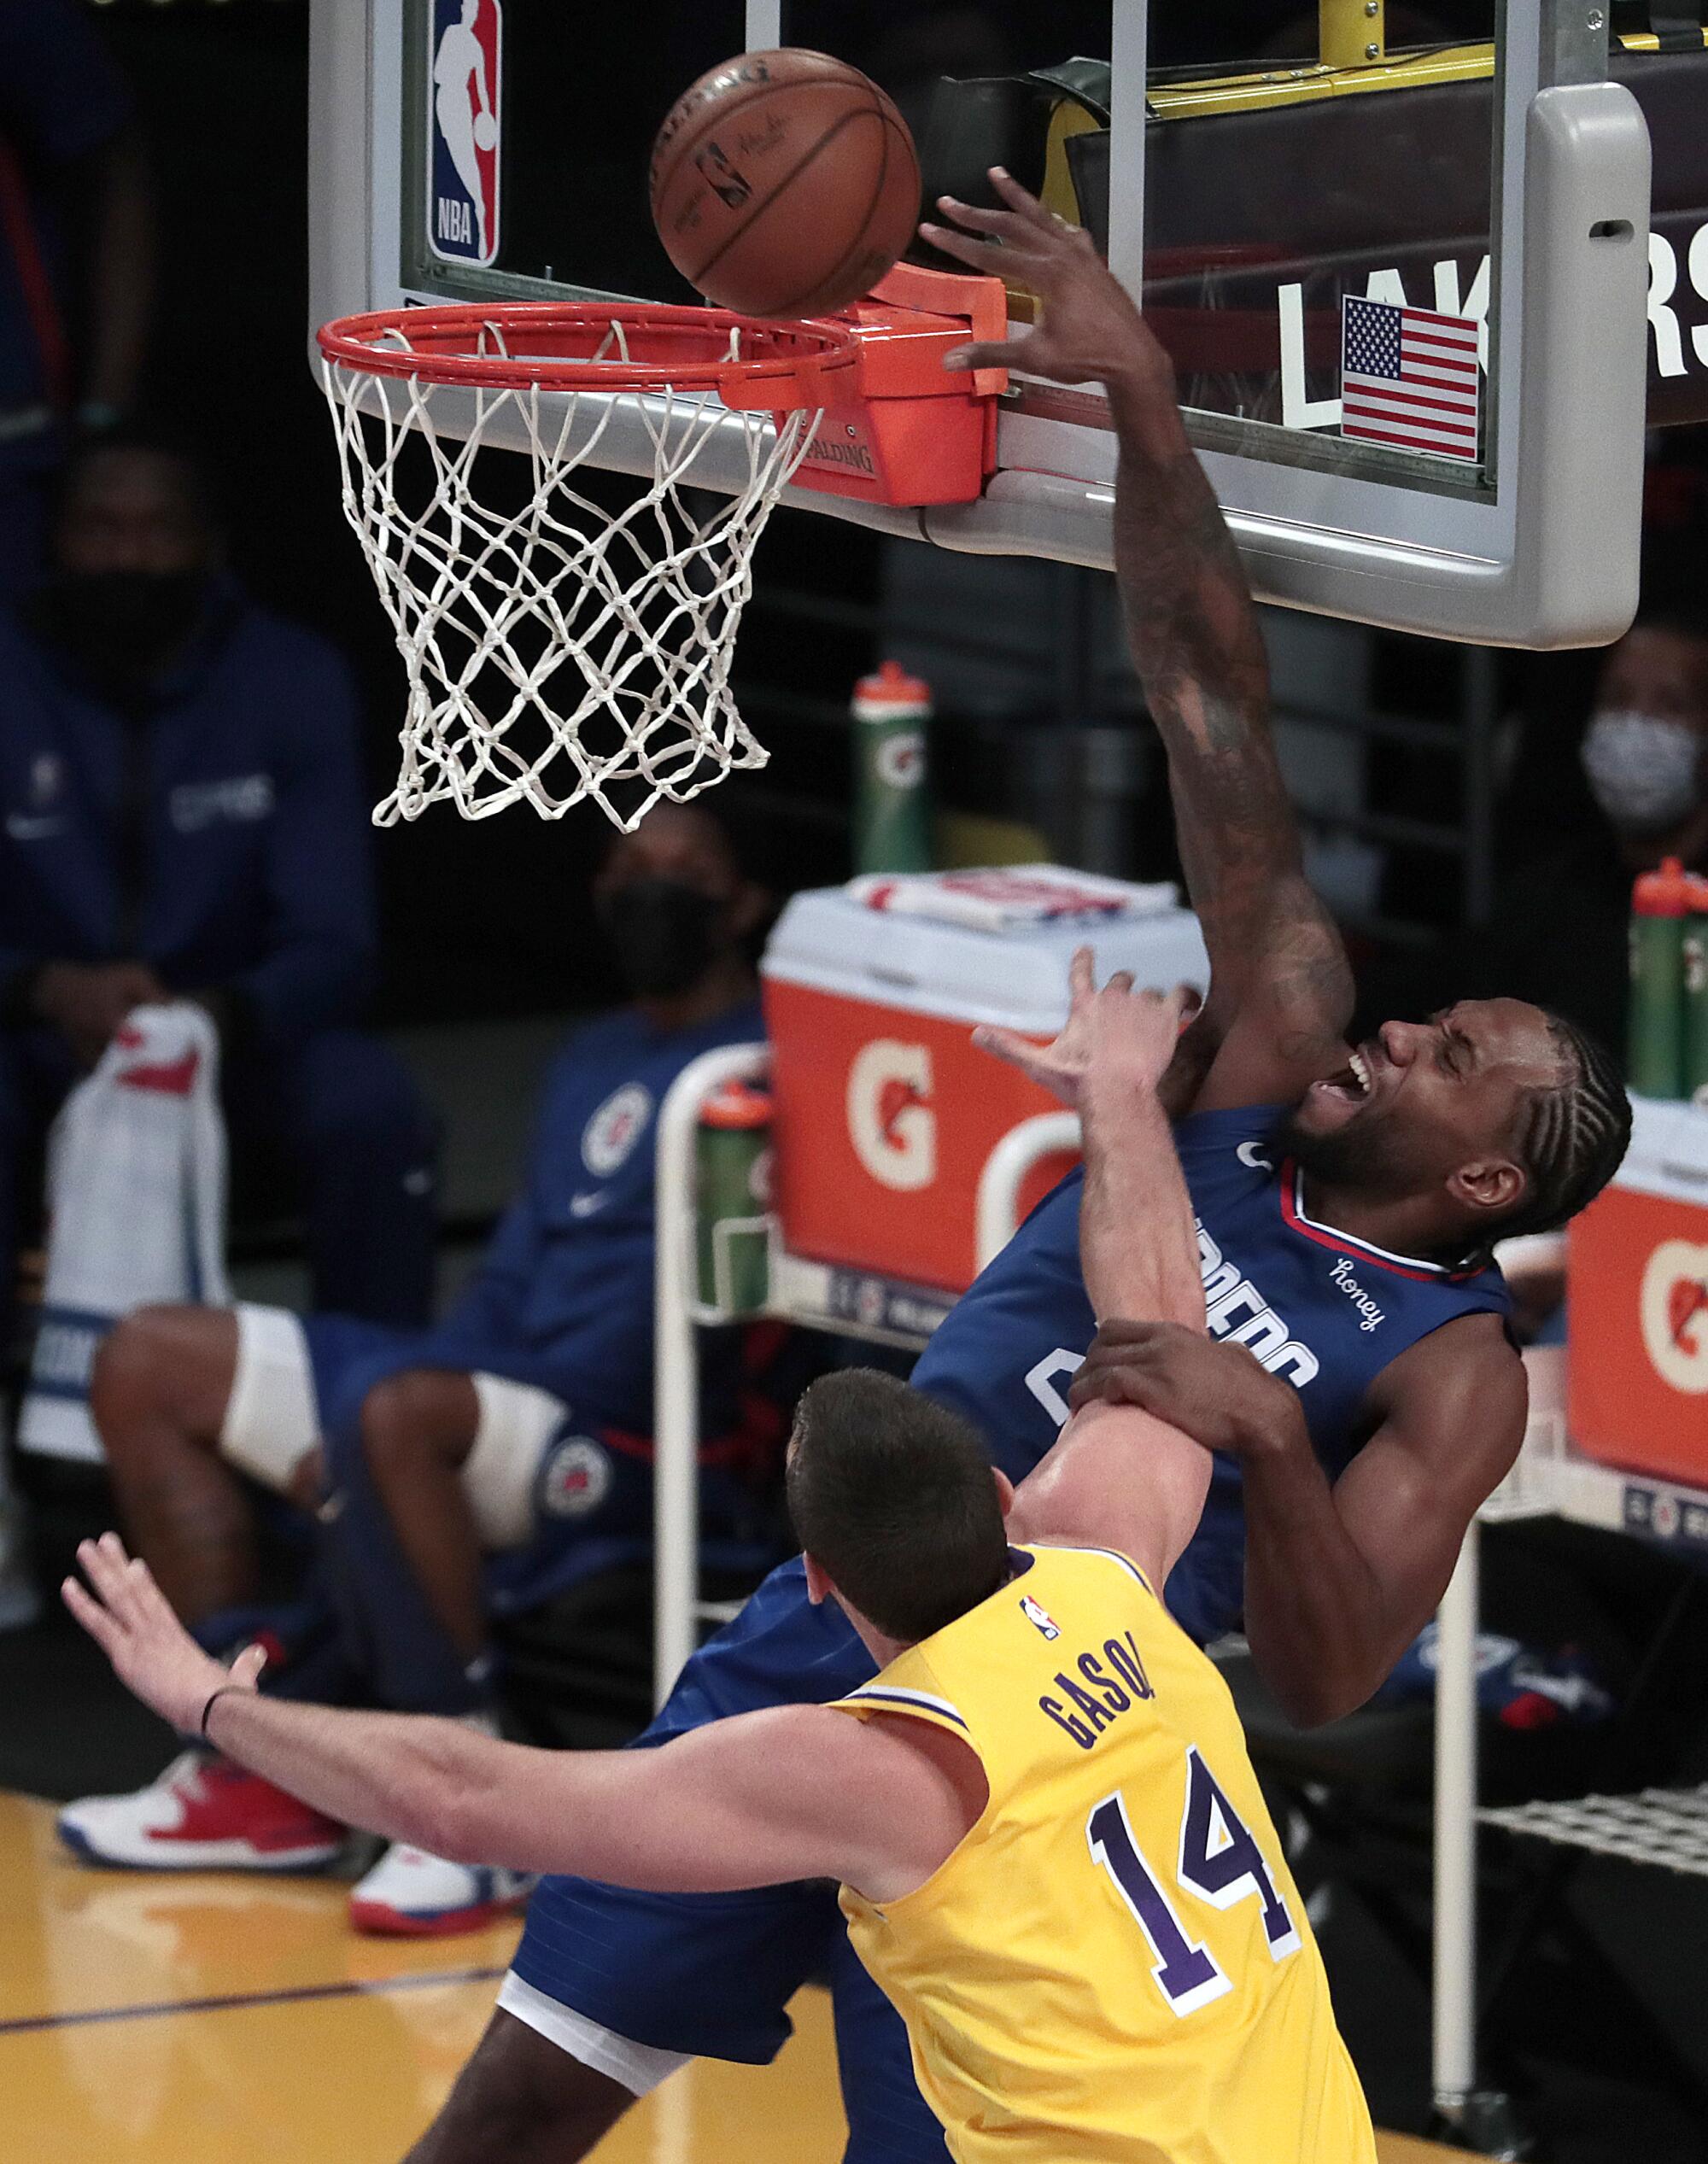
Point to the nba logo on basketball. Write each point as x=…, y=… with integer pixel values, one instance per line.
x=463, y=118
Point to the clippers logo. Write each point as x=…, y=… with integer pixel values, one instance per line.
x=1040, y=1618
x=463, y=124
x=1674, y=1309
x=575, y=1478
x=890, y=1120
x=613, y=1131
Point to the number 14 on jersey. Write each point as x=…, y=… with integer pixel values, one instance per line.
x=1218, y=1860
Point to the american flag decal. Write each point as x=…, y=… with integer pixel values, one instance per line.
x=1409, y=377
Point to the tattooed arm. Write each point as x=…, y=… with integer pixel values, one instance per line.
x=1281, y=987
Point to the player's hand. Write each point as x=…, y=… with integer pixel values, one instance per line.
x=1060, y=1066
x=1131, y=1036
x=87, y=1005
x=1216, y=1394
x=152, y=1654
x=1092, y=332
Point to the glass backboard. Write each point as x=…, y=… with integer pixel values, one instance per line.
x=1405, y=292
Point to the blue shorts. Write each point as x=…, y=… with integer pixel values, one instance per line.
x=711, y=1975
x=593, y=1487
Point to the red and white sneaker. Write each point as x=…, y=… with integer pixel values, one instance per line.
x=410, y=1894
x=202, y=1814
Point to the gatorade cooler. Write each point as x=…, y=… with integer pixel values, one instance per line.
x=885, y=1113
x=1637, y=1272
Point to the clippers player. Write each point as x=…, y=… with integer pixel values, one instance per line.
x=1369, y=1400
x=1053, y=1853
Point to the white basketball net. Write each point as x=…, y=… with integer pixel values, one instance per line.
x=557, y=649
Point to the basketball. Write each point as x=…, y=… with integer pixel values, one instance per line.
x=784, y=184
x=486, y=131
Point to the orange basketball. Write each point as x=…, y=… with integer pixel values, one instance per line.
x=784, y=184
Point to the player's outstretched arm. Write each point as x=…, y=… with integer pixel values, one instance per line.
x=792, y=1793
x=1281, y=988
x=1138, y=1248
x=1119, y=1475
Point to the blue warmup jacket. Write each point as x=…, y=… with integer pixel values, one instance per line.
x=222, y=838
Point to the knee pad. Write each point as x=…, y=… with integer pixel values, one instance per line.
x=517, y=1421
x=271, y=1421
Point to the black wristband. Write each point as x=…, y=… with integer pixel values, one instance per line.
x=212, y=1697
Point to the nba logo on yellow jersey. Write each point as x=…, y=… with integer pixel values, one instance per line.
x=1040, y=1618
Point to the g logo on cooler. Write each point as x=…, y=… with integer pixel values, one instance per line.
x=615, y=1128
x=1673, y=1306
x=890, y=1120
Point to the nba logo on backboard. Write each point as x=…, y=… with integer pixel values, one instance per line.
x=463, y=119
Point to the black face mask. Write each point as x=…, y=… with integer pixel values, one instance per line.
x=662, y=934
x=119, y=626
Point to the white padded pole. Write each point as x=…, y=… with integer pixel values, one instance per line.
x=1020, y=1150
x=675, y=1366
x=1454, y=2048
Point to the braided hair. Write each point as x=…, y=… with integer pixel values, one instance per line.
x=1572, y=1133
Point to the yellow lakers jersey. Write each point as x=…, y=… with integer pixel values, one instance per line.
x=1114, y=1963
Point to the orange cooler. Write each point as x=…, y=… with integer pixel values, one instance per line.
x=1637, y=1358
x=883, y=1112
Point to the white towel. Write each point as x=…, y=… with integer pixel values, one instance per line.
x=136, y=1209
x=1008, y=899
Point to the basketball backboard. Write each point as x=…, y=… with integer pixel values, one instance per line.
x=1291, y=228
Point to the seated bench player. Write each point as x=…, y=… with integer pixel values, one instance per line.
x=488, y=1464
x=185, y=818
x=1053, y=1851
x=1366, y=1400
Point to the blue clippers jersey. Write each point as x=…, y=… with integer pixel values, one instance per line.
x=1326, y=1311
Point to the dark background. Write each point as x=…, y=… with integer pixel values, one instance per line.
x=493, y=918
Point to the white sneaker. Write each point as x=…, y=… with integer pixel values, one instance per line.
x=410, y=1894
x=202, y=1814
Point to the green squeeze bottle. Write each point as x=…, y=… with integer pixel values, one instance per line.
x=1660, y=906
x=733, y=1167
x=891, y=801
x=1695, y=976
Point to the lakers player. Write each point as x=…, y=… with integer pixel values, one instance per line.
x=1053, y=1853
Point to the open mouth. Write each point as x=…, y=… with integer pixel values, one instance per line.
x=1353, y=1084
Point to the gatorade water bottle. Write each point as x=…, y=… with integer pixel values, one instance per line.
x=734, y=1169
x=1695, y=975
x=892, y=802
x=1660, y=903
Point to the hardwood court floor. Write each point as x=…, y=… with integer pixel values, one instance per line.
x=155, y=2020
